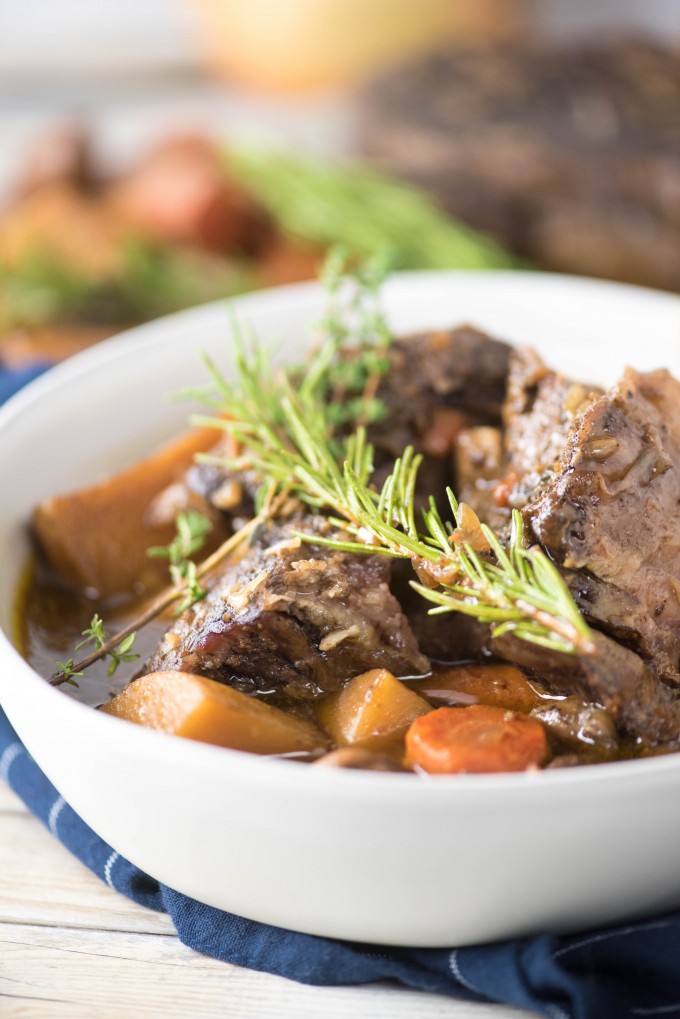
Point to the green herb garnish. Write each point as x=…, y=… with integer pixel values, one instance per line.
x=516, y=589
x=96, y=634
x=192, y=530
x=66, y=672
x=150, y=281
x=325, y=203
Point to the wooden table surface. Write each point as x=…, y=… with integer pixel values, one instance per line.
x=72, y=948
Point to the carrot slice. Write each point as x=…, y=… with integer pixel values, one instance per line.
x=496, y=684
x=475, y=739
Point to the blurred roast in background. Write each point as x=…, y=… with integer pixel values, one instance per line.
x=156, y=156
x=568, y=153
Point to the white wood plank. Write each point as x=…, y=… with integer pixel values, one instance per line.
x=70, y=947
x=66, y=974
x=41, y=883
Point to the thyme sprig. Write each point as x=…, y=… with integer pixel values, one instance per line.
x=192, y=530
x=118, y=651
x=340, y=378
x=346, y=366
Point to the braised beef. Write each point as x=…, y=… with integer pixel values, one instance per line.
x=499, y=470
x=597, y=477
x=610, y=514
x=566, y=151
x=614, y=677
x=295, y=619
x=538, y=412
x=459, y=372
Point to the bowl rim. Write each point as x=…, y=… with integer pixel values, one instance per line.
x=275, y=769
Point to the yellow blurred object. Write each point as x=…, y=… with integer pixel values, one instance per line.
x=302, y=45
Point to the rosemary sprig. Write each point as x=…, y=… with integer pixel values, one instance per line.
x=325, y=202
x=516, y=589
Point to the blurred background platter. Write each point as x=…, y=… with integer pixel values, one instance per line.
x=156, y=156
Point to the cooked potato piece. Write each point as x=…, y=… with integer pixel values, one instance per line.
x=98, y=536
x=197, y=708
x=496, y=684
x=373, y=710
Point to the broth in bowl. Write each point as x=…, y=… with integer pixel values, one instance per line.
x=329, y=850
x=331, y=600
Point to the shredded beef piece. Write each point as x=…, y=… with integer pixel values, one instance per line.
x=460, y=369
x=597, y=477
x=610, y=514
x=539, y=409
x=295, y=619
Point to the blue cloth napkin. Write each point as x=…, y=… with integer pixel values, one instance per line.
x=632, y=970
x=11, y=381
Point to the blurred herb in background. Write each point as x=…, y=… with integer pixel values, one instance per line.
x=314, y=203
x=151, y=281
x=327, y=203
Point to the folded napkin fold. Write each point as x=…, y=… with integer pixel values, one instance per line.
x=631, y=970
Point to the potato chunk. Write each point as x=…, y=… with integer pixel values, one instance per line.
x=98, y=536
x=186, y=705
x=373, y=710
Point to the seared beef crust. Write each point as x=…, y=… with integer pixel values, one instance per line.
x=293, y=618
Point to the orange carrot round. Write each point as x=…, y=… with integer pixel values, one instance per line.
x=475, y=739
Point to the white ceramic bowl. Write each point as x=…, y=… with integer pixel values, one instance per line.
x=380, y=858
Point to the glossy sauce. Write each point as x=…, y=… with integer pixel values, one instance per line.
x=52, y=617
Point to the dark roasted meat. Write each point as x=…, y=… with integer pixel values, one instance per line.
x=460, y=370
x=565, y=151
x=295, y=619
x=438, y=384
x=539, y=409
x=597, y=477
x=610, y=514
x=499, y=470
x=641, y=705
